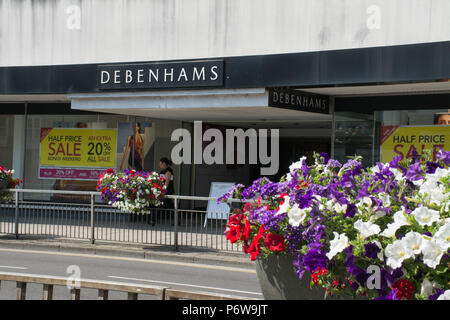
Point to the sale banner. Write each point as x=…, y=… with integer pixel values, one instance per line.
x=62, y=148
x=404, y=140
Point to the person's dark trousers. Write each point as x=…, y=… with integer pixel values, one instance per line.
x=152, y=217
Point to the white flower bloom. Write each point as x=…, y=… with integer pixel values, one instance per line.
x=396, y=253
x=426, y=288
x=425, y=216
x=399, y=221
x=442, y=236
x=366, y=229
x=445, y=295
x=398, y=175
x=375, y=169
x=364, y=201
x=432, y=253
x=377, y=215
x=435, y=192
x=285, y=206
x=386, y=199
x=297, y=215
x=338, y=244
x=413, y=241
x=338, y=208
x=297, y=165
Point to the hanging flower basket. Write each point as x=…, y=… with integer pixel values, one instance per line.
x=374, y=233
x=7, y=182
x=131, y=191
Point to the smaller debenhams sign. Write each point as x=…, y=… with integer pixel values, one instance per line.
x=299, y=100
x=161, y=75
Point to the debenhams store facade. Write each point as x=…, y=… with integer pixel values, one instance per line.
x=328, y=83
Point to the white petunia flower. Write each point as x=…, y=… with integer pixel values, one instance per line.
x=297, y=215
x=364, y=201
x=398, y=175
x=399, y=221
x=297, y=165
x=432, y=253
x=366, y=229
x=445, y=295
x=442, y=236
x=338, y=208
x=413, y=241
x=396, y=253
x=386, y=199
x=426, y=288
x=377, y=215
x=338, y=244
x=425, y=216
x=285, y=206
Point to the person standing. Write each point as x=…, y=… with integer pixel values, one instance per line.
x=166, y=173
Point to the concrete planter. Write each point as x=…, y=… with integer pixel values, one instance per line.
x=278, y=280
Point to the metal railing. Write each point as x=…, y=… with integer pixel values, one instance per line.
x=104, y=287
x=81, y=215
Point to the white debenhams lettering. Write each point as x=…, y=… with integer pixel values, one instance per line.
x=102, y=78
x=213, y=71
x=213, y=153
x=117, y=76
x=140, y=75
x=128, y=76
x=168, y=74
x=197, y=75
x=154, y=75
x=178, y=74
x=183, y=74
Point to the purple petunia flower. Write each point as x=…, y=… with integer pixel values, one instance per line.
x=315, y=258
x=443, y=156
x=371, y=250
x=414, y=172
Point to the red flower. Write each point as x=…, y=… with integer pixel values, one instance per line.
x=253, y=249
x=235, y=219
x=405, y=289
x=274, y=242
x=233, y=233
x=245, y=230
x=316, y=274
x=110, y=171
x=247, y=207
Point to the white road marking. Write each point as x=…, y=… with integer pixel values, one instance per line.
x=95, y=256
x=11, y=267
x=186, y=285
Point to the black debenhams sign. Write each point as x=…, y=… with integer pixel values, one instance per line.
x=161, y=75
x=299, y=100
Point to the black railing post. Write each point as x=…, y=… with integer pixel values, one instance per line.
x=175, y=202
x=92, y=220
x=16, y=218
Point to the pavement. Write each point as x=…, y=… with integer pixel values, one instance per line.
x=107, y=248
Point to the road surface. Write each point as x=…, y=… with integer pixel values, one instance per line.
x=178, y=275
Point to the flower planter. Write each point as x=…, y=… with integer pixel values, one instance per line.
x=343, y=220
x=278, y=280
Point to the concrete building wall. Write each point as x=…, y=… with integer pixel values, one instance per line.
x=45, y=32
